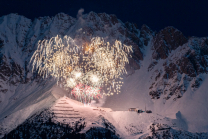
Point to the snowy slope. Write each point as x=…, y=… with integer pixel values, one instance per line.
x=18, y=110
x=68, y=114
x=192, y=102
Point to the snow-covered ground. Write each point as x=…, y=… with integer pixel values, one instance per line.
x=125, y=123
x=191, y=109
x=192, y=106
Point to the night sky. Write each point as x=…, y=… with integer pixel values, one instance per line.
x=189, y=16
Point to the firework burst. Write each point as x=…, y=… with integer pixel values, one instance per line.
x=85, y=93
x=85, y=69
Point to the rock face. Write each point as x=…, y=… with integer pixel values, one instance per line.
x=167, y=40
x=182, y=68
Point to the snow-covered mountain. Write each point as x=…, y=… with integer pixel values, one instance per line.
x=70, y=119
x=167, y=72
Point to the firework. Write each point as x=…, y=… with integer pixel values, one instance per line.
x=85, y=69
x=85, y=93
x=56, y=57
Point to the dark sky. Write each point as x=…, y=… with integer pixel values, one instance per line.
x=189, y=16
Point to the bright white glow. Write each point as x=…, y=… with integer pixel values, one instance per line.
x=71, y=82
x=78, y=74
x=94, y=78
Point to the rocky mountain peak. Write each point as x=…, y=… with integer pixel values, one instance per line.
x=114, y=19
x=166, y=40
x=92, y=16
x=146, y=30
x=132, y=27
x=146, y=33
x=182, y=68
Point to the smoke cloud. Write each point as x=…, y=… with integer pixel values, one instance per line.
x=99, y=102
x=80, y=12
